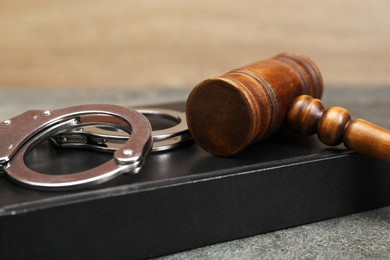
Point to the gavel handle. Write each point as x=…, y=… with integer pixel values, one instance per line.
x=334, y=126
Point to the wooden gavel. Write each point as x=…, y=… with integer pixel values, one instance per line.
x=228, y=113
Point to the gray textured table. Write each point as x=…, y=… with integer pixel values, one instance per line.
x=363, y=235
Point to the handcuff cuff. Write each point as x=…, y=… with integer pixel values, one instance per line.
x=109, y=128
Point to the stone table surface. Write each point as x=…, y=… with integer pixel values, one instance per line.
x=363, y=235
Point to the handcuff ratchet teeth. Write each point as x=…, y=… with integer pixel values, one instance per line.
x=21, y=134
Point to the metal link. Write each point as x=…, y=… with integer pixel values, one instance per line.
x=108, y=138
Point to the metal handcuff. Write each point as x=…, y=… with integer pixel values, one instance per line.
x=125, y=132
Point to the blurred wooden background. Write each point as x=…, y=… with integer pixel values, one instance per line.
x=176, y=44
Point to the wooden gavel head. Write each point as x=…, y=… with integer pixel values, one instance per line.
x=228, y=113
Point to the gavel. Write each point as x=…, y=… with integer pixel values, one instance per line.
x=226, y=114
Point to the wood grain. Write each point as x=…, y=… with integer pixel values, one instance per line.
x=151, y=44
x=228, y=113
x=334, y=126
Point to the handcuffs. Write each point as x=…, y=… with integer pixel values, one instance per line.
x=109, y=128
